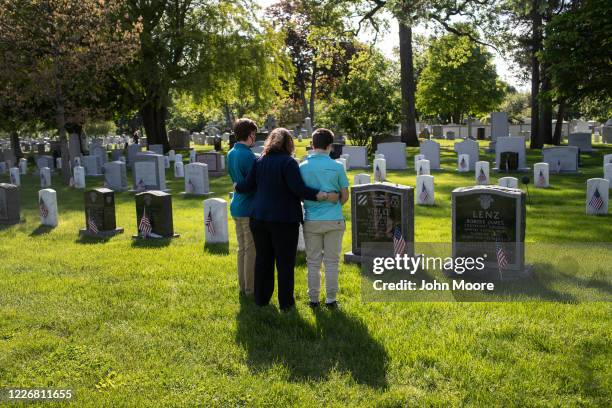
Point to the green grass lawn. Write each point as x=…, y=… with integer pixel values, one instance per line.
x=161, y=324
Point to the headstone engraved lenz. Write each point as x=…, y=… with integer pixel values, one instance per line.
x=383, y=214
x=100, y=218
x=9, y=204
x=154, y=215
x=490, y=222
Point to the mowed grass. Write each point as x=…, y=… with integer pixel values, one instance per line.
x=161, y=324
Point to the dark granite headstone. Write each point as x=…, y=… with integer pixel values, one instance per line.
x=261, y=136
x=179, y=139
x=217, y=143
x=485, y=219
x=377, y=211
x=480, y=133
x=336, y=151
x=157, y=207
x=100, y=213
x=509, y=161
x=9, y=204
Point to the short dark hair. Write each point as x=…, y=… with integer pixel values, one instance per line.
x=243, y=128
x=321, y=138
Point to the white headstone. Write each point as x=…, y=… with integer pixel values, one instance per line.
x=166, y=162
x=178, y=157
x=58, y=163
x=597, y=196
x=14, y=176
x=47, y=207
x=215, y=221
x=561, y=159
x=342, y=161
x=581, y=140
x=196, y=179
x=79, y=177
x=358, y=156
x=425, y=190
x=607, y=159
x=469, y=147
x=45, y=177
x=510, y=182
x=608, y=172
x=347, y=160
x=417, y=158
x=179, y=170
x=308, y=126
x=463, y=163
x=23, y=166
x=115, y=176
x=361, y=178
x=499, y=125
x=395, y=154
x=171, y=155
x=541, y=175
x=431, y=150
x=148, y=172
x=380, y=170
x=514, y=144
x=423, y=167
x=93, y=165
x=192, y=156
x=482, y=172
x=379, y=156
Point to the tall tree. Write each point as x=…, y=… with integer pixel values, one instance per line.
x=62, y=52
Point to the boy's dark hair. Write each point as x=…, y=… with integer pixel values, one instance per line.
x=321, y=138
x=243, y=128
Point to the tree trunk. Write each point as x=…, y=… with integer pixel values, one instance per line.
x=313, y=92
x=409, y=134
x=16, y=146
x=546, y=111
x=154, y=120
x=536, y=21
x=229, y=122
x=559, y=124
x=60, y=120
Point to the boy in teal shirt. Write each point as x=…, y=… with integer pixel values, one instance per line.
x=239, y=162
x=323, y=221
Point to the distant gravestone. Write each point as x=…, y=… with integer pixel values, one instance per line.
x=425, y=190
x=215, y=162
x=581, y=140
x=380, y=170
x=179, y=139
x=450, y=135
x=58, y=163
x=489, y=222
x=132, y=152
x=482, y=172
x=149, y=173
x=382, y=213
x=561, y=159
x=437, y=132
x=395, y=154
x=115, y=176
x=347, y=159
x=516, y=147
x=47, y=207
x=342, y=162
x=9, y=204
x=417, y=159
x=79, y=177
x=192, y=156
x=358, y=156
x=361, y=179
x=607, y=159
x=45, y=177
x=157, y=149
x=93, y=165
x=608, y=172
x=597, y=196
x=215, y=221
x=23, y=167
x=423, y=168
x=45, y=161
x=431, y=150
x=469, y=147
x=154, y=215
x=116, y=154
x=3, y=167
x=179, y=169
x=15, y=176
x=499, y=125
x=100, y=218
x=463, y=163
x=336, y=151
x=196, y=179
x=509, y=182
x=101, y=153
x=606, y=134
x=541, y=175
x=308, y=127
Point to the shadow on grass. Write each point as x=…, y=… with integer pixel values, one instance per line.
x=41, y=230
x=217, y=249
x=90, y=240
x=151, y=243
x=338, y=342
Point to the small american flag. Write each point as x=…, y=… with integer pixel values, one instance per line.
x=482, y=176
x=558, y=166
x=541, y=179
x=462, y=163
x=42, y=207
x=91, y=224
x=424, y=196
x=399, y=244
x=378, y=174
x=144, y=226
x=502, y=260
x=210, y=226
x=596, y=202
x=420, y=170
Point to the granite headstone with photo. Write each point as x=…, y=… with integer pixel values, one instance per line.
x=154, y=215
x=100, y=220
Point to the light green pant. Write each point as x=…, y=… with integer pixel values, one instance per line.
x=246, y=255
x=323, y=245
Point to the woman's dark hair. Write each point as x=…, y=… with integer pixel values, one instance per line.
x=279, y=141
x=243, y=128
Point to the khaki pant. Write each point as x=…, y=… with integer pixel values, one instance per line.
x=323, y=244
x=246, y=255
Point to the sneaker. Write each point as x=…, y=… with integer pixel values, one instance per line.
x=333, y=305
x=313, y=305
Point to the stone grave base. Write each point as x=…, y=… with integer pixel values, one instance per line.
x=138, y=236
x=84, y=232
x=216, y=173
x=186, y=194
x=492, y=274
x=15, y=222
x=166, y=190
x=519, y=170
